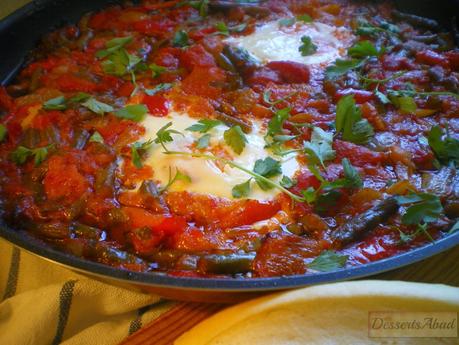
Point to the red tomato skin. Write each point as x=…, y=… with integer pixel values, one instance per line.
x=453, y=59
x=157, y=105
x=358, y=155
x=360, y=96
x=291, y=72
x=429, y=57
x=71, y=83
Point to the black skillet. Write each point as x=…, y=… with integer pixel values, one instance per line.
x=20, y=32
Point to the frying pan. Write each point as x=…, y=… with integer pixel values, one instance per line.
x=20, y=32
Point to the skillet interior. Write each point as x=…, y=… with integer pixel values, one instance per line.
x=20, y=32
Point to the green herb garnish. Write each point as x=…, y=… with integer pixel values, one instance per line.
x=134, y=112
x=327, y=261
x=349, y=121
x=235, y=138
x=22, y=153
x=307, y=47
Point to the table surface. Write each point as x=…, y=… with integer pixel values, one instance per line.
x=439, y=269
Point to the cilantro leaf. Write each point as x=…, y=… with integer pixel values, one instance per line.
x=446, y=150
x=307, y=47
x=179, y=176
x=277, y=121
x=287, y=182
x=241, y=190
x=203, y=141
x=157, y=70
x=327, y=261
x=363, y=49
x=222, y=28
x=405, y=104
x=22, y=153
x=286, y=22
x=306, y=18
x=180, y=39
x=113, y=45
x=204, y=125
x=3, y=132
x=96, y=138
x=80, y=97
x=164, y=135
x=351, y=175
x=202, y=6
x=267, y=167
x=425, y=208
x=57, y=103
x=134, y=112
x=137, y=149
x=349, y=121
x=319, y=149
x=158, y=88
x=97, y=107
x=309, y=195
x=341, y=67
x=235, y=138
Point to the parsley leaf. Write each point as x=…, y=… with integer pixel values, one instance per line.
x=307, y=47
x=97, y=107
x=180, y=39
x=204, y=125
x=319, y=149
x=3, y=132
x=287, y=182
x=267, y=167
x=203, y=141
x=405, y=104
x=341, y=67
x=286, y=22
x=137, y=149
x=113, y=45
x=363, y=49
x=446, y=150
x=235, y=138
x=157, y=70
x=277, y=121
x=179, y=176
x=306, y=18
x=222, y=28
x=158, y=88
x=351, y=175
x=57, y=103
x=80, y=97
x=164, y=135
x=22, y=153
x=425, y=208
x=134, y=112
x=241, y=190
x=349, y=121
x=96, y=138
x=327, y=261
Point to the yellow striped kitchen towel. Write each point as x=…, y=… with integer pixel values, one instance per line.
x=42, y=303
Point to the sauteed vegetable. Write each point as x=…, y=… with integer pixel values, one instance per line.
x=199, y=139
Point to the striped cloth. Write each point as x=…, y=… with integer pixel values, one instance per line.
x=42, y=303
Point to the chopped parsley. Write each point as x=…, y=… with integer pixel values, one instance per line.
x=156, y=70
x=277, y=121
x=203, y=142
x=3, y=132
x=363, y=49
x=241, y=190
x=446, y=148
x=113, y=45
x=204, y=125
x=158, y=88
x=180, y=39
x=319, y=149
x=341, y=67
x=137, y=149
x=22, y=153
x=134, y=112
x=349, y=121
x=307, y=47
x=97, y=107
x=164, y=135
x=57, y=103
x=96, y=138
x=327, y=261
x=179, y=176
x=235, y=138
x=268, y=168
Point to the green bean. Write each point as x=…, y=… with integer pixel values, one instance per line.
x=226, y=264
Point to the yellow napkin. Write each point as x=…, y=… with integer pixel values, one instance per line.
x=42, y=303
